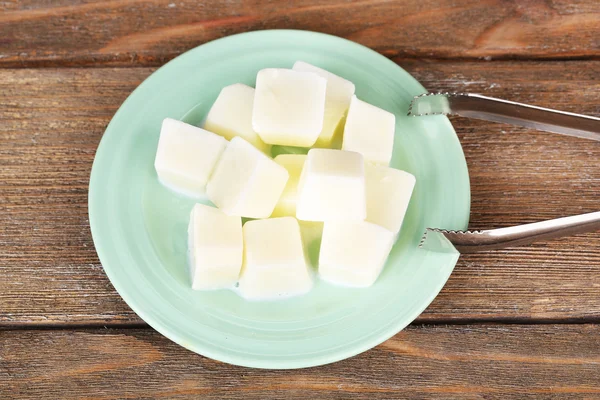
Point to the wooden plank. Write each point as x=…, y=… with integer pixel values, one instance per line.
x=459, y=362
x=150, y=32
x=51, y=121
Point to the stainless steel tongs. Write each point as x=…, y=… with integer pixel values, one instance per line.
x=496, y=110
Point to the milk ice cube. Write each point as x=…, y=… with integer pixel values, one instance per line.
x=231, y=115
x=186, y=156
x=353, y=253
x=388, y=195
x=369, y=130
x=337, y=100
x=293, y=163
x=275, y=264
x=215, y=246
x=289, y=106
x=332, y=186
x=246, y=182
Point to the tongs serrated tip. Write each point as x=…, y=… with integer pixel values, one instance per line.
x=446, y=240
x=425, y=104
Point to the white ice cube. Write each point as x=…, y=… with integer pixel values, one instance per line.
x=289, y=106
x=293, y=163
x=231, y=115
x=332, y=186
x=337, y=100
x=388, y=195
x=275, y=264
x=246, y=182
x=186, y=156
x=353, y=253
x=215, y=245
x=369, y=130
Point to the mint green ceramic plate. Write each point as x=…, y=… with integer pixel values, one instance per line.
x=139, y=227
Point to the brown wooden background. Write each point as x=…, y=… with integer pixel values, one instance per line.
x=520, y=323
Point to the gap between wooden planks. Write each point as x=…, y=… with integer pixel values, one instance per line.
x=53, y=119
x=458, y=362
x=38, y=33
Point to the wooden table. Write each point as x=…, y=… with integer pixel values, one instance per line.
x=520, y=323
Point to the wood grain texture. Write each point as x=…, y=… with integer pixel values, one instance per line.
x=460, y=362
x=150, y=32
x=51, y=121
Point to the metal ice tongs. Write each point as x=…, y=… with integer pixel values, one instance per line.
x=496, y=110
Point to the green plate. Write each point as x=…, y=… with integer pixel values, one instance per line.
x=139, y=226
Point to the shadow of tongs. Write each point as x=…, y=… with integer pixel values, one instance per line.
x=509, y=112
